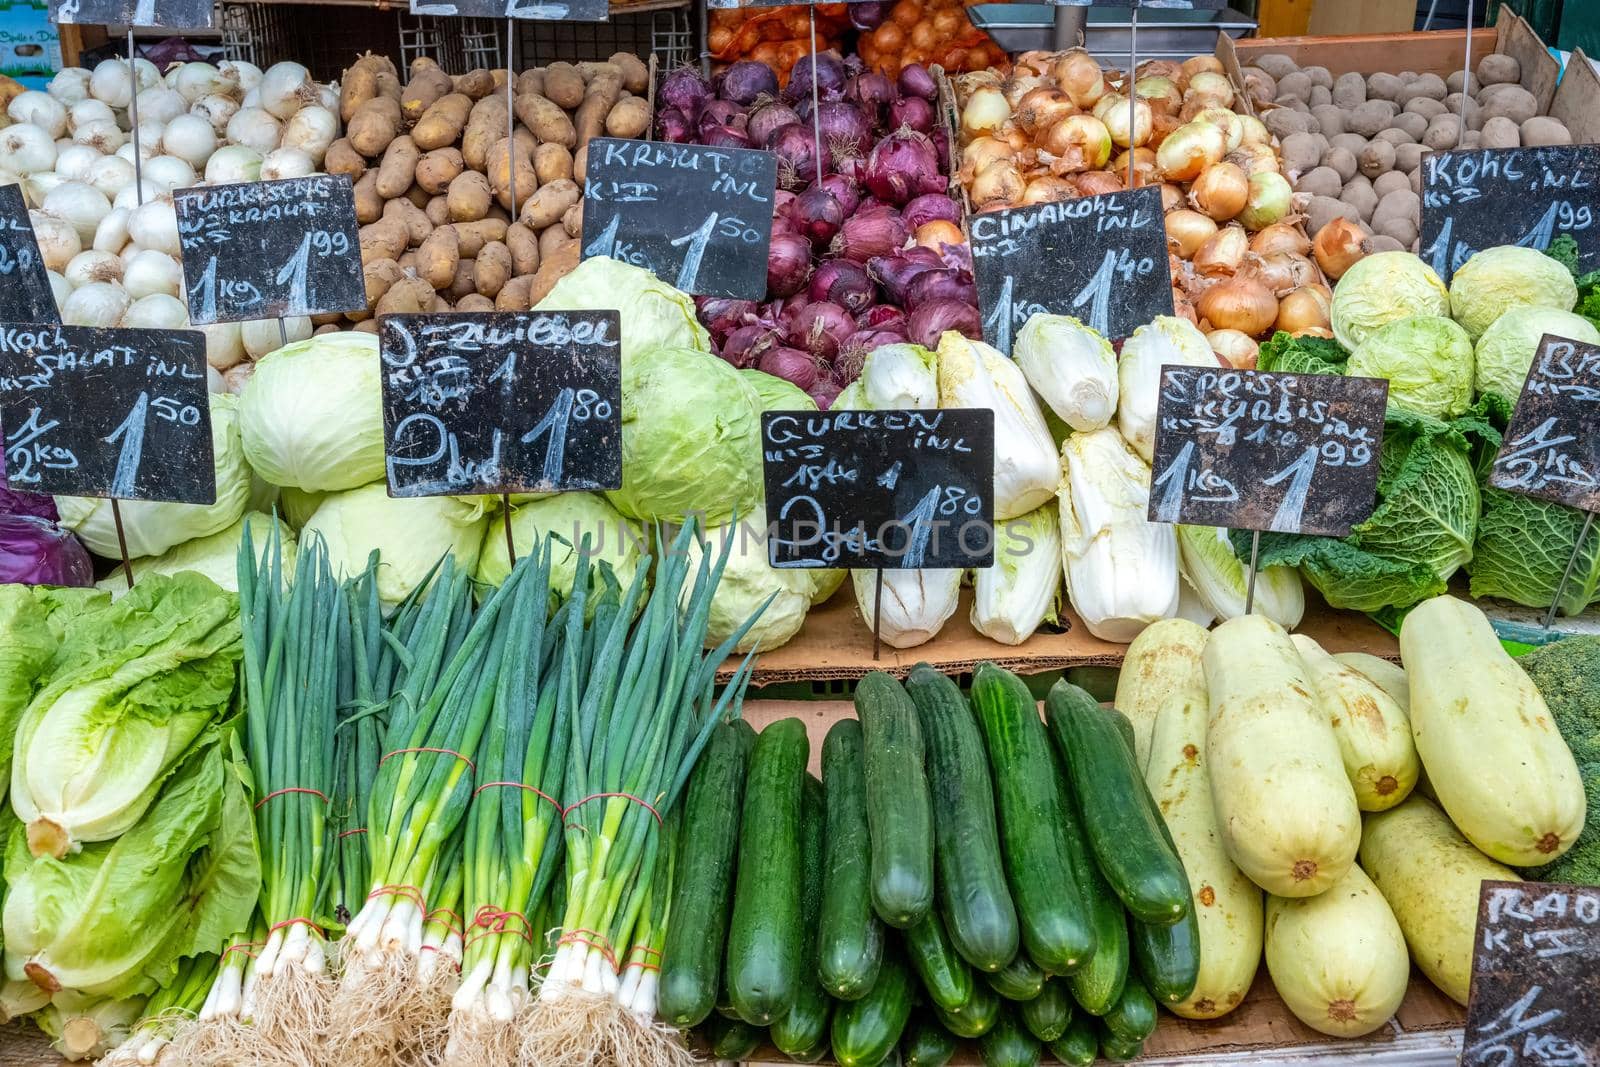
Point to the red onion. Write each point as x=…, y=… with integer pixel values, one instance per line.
x=826, y=391
x=868, y=15
x=791, y=364
x=912, y=112
x=844, y=283
x=723, y=137
x=872, y=91
x=674, y=126
x=932, y=319
x=745, y=346
x=748, y=79
x=830, y=76
x=767, y=119
x=915, y=80
x=941, y=148
x=820, y=328
x=874, y=339
x=721, y=315
x=816, y=215
x=844, y=125
x=844, y=190
x=903, y=165
x=931, y=206
x=723, y=113
x=871, y=233
x=796, y=148
x=685, y=90
x=882, y=317
x=788, y=264
x=895, y=272
x=932, y=286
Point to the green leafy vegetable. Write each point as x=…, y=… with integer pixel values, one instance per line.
x=1567, y=673
x=1302, y=355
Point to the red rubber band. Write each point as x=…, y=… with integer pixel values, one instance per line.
x=409, y=892
x=523, y=785
x=495, y=921
x=602, y=946
x=441, y=751
x=319, y=794
x=245, y=947
x=352, y=833
x=456, y=929
x=624, y=796
x=293, y=922
x=646, y=949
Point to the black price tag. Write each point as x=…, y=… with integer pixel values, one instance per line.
x=541, y=10
x=1535, y=994
x=1552, y=447
x=700, y=218
x=502, y=402
x=891, y=490
x=25, y=294
x=171, y=14
x=107, y=413
x=1509, y=196
x=1292, y=453
x=264, y=250
x=1102, y=259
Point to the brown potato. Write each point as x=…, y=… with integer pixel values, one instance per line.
x=415, y=219
x=572, y=220
x=378, y=275
x=580, y=162
x=524, y=246
x=366, y=326
x=629, y=117
x=552, y=240
x=514, y=295
x=635, y=75
x=552, y=162
x=590, y=120
x=502, y=173
x=385, y=239
x=547, y=121
x=426, y=87
x=438, y=210
x=341, y=158
x=563, y=85
x=469, y=196
x=398, y=169
x=474, y=235
x=465, y=280
x=442, y=123
x=486, y=125
x=546, y=206
x=369, y=205
x=374, y=125
x=437, y=169
x=494, y=268
x=437, y=257
x=553, y=270
x=1541, y=130
x=475, y=84
x=407, y=296
x=474, y=302
x=530, y=81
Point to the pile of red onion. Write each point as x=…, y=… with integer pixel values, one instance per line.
x=867, y=247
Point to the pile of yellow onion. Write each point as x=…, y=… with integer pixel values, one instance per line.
x=1059, y=127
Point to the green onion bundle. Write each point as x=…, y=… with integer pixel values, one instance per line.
x=168, y=1008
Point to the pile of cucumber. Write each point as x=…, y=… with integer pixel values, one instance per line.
x=953, y=877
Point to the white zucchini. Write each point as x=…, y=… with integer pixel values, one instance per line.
x=1162, y=663
x=1373, y=732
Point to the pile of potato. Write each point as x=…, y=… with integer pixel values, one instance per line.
x=1353, y=145
x=435, y=174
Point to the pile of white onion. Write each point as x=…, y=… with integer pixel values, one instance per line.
x=113, y=255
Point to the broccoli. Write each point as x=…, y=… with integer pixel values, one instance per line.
x=1567, y=673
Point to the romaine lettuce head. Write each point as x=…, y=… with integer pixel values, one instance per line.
x=974, y=375
x=1021, y=591
x=750, y=586
x=1072, y=367
x=215, y=556
x=133, y=686
x=152, y=527
x=775, y=394
x=1164, y=340
x=691, y=438
x=1498, y=279
x=900, y=376
x=614, y=541
x=410, y=534
x=312, y=414
x=27, y=645
x=1427, y=360
x=1420, y=533
x=1219, y=577
x=654, y=314
x=1507, y=348
x=1381, y=288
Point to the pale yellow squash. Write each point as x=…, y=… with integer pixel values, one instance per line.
x=1494, y=757
x=1161, y=663
x=1390, y=677
x=1430, y=876
x=1373, y=732
x=1285, y=810
x=1338, y=960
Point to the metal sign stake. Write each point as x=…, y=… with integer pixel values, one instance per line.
x=122, y=542
x=816, y=106
x=1566, y=575
x=133, y=120
x=877, y=616
x=1133, y=95
x=511, y=546
x=511, y=139
x=1250, y=579
x=1466, y=70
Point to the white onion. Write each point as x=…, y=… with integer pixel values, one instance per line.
x=35, y=187
x=80, y=204
x=216, y=109
x=111, y=174
x=58, y=241
x=148, y=271
x=195, y=80
x=252, y=98
x=190, y=138
x=248, y=75
x=287, y=163
x=91, y=266
x=215, y=382
x=69, y=85
x=149, y=137
x=237, y=377
x=254, y=128
x=233, y=163
x=154, y=224
x=110, y=83
x=95, y=304
x=112, y=233
x=149, y=74
x=74, y=162
x=169, y=172
x=312, y=129
x=41, y=109
x=161, y=105
x=129, y=196
x=224, y=344
x=158, y=311
x=90, y=110
x=26, y=149
x=60, y=288
x=328, y=97
x=261, y=335
x=104, y=137
x=286, y=88
x=63, y=143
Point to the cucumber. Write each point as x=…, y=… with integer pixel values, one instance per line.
x=1079, y=1046
x=975, y=1017
x=1020, y=979
x=1119, y=1049
x=866, y=1031
x=1048, y=1015
x=945, y=975
x=816, y=1052
x=805, y=1025
x=1098, y=983
x=926, y=1043
x=1126, y=837
x=1008, y=1043
x=1058, y=930
x=973, y=897
x=691, y=959
x=850, y=937
x=764, y=943
x=899, y=809
x=1133, y=1017
x=1167, y=957
x=731, y=1039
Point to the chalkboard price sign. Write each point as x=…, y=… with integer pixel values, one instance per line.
x=1552, y=447
x=700, y=218
x=171, y=14
x=1509, y=196
x=1102, y=259
x=1535, y=997
x=542, y=10
x=891, y=490
x=262, y=250
x=502, y=402
x=107, y=413
x=1249, y=450
x=25, y=294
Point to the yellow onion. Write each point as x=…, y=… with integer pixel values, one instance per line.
x=1169, y=69
x=1339, y=246
x=1049, y=189
x=1042, y=107
x=1210, y=84
x=1220, y=191
x=1078, y=142
x=1239, y=349
x=1172, y=197
x=1221, y=116
x=1282, y=271
x=1162, y=94
x=936, y=233
x=1182, y=308
x=1078, y=74
x=1315, y=331
x=1018, y=86
x=1188, y=231
x=1106, y=103
x=986, y=111
x=998, y=184
x=1197, y=64
x=1239, y=303
x=1161, y=127
x=1190, y=149
x=1038, y=61
x=1015, y=137
x=1255, y=131
x=1096, y=182
x=1280, y=237
x=969, y=83
x=1254, y=158
x=1302, y=309
x=1270, y=200
x=982, y=151
x=1129, y=130
x=1222, y=254
x=1144, y=166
